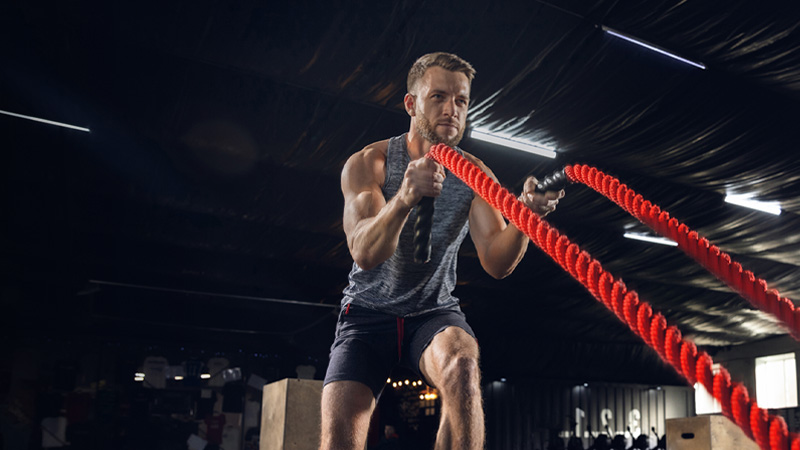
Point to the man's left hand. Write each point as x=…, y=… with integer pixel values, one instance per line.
x=540, y=203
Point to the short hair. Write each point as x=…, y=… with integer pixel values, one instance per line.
x=447, y=61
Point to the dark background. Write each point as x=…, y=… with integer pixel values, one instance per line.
x=207, y=191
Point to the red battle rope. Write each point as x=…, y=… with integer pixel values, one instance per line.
x=768, y=431
x=754, y=289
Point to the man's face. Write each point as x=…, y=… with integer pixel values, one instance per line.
x=441, y=103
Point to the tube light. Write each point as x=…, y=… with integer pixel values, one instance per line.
x=49, y=122
x=651, y=239
x=748, y=202
x=652, y=47
x=536, y=149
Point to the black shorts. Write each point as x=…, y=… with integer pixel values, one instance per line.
x=369, y=343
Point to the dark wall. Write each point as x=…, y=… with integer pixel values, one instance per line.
x=532, y=415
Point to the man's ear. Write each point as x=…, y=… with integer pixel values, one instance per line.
x=408, y=102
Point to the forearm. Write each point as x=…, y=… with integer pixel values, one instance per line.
x=375, y=239
x=504, y=252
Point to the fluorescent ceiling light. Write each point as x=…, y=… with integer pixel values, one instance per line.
x=529, y=147
x=651, y=47
x=651, y=239
x=49, y=122
x=748, y=202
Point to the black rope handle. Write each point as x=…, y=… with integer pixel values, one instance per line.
x=553, y=182
x=422, y=230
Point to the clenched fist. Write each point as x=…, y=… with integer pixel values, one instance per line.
x=540, y=203
x=424, y=177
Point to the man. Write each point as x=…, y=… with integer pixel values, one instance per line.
x=396, y=311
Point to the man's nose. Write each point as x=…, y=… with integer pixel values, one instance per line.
x=450, y=108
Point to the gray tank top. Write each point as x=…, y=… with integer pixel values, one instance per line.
x=399, y=286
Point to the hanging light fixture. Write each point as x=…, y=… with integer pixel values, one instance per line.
x=748, y=202
x=49, y=122
x=517, y=144
x=651, y=47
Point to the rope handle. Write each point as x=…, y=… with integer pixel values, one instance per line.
x=768, y=431
x=553, y=182
x=423, y=225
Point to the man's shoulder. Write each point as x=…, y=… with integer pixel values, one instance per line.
x=478, y=162
x=373, y=156
x=370, y=161
x=376, y=150
x=472, y=158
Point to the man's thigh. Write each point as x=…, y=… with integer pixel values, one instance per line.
x=364, y=349
x=439, y=334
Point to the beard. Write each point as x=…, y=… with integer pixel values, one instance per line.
x=428, y=132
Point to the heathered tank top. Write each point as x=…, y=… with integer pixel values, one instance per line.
x=399, y=286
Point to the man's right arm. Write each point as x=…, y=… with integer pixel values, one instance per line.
x=372, y=224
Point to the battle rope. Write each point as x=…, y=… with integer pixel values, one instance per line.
x=768, y=431
x=754, y=289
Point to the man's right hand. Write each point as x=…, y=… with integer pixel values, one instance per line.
x=424, y=177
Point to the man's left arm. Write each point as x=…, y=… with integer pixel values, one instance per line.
x=501, y=246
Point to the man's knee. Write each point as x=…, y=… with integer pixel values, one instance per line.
x=462, y=366
x=461, y=375
x=452, y=360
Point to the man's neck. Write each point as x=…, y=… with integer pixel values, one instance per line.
x=416, y=145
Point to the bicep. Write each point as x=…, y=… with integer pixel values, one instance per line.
x=485, y=223
x=363, y=197
x=360, y=205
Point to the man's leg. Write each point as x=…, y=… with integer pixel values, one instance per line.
x=451, y=363
x=346, y=410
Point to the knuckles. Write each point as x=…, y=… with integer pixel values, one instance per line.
x=541, y=203
x=423, y=178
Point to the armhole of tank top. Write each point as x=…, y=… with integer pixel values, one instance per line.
x=387, y=168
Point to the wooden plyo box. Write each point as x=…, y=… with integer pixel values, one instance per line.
x=707, y=433
x=290, y=415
